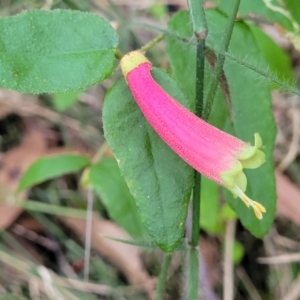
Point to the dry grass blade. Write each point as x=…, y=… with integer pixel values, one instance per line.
x=243, y=276
x=280, y=259
x=283, y=272
x=14, y=101
x=123, y=256
x=29, y=271
x=288, y=198
x=294, y=146
x=294, y=291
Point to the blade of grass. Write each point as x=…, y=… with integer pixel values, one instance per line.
x=74, y=248
x=163, y=277
x=14, y=244
x=52, y=209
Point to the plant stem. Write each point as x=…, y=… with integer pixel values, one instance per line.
x=212, y=87
x=162, y=277
x=196, y=209
x=266, y=74
x=152, y=43
x=200, y=29
x=198, y=109
x=193, y=275
x=197, y=15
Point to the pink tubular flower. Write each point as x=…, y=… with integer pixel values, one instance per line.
x=212, y=152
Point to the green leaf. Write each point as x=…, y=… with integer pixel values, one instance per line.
x=250, y=100
x=63, y=101
x=258, y=8
x=183, y=66
x=184, y=69
x=252, y=112
x=278, y=61
x=238, y=252
x=227, y=213
x=49, y=167
x=110, y=186
x=294, y=8
x=55, y=51
x=209, y=211
x=158, y=10
x=159, y=180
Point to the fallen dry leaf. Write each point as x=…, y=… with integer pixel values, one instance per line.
x=288, y=198
x=13, y=164
x=123, y=256
x=210, y=256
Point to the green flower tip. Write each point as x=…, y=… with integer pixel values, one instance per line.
x=252, y=157
x=235, y=179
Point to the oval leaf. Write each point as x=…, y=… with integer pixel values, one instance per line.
x=210, y=211
x=159, y=180
x=279, y=62
x=49, y=167
x=55, y=51
x=111, y=187
x=250, y=103
x=62, y=101
x=252, y=112
x=260, y=9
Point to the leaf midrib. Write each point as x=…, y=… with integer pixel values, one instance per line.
x=55, y=54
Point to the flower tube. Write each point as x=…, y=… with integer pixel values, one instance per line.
x=215, y=154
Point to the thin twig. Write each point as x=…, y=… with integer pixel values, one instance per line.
x=228, y=278
x=280, y=259
x=294, y=146
x=152, y=43
x=243, y=276
x=88, y=234
x=287, y=243
x=294, y=290
x=281, y=272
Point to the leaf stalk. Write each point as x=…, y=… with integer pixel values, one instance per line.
x=212, y=88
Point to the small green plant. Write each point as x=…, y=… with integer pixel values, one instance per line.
x=222, y=70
